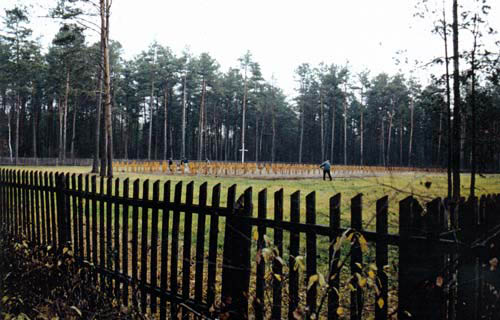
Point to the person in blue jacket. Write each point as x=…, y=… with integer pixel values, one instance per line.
x=326, y=169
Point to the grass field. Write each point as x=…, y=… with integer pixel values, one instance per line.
x=396, y=186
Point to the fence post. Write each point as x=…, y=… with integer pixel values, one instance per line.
x=236, y=257
x=467, y=269
x=62, y=219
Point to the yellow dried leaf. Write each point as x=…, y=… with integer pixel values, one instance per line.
x=362, y=243
x=371, y=274
x=65, y=250
x=255, y=235
x=380, y=303
x=340, y=311
x=312, y=280
x=321, y=279
x=278, y=277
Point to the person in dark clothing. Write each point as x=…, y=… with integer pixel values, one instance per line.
x=326, y=169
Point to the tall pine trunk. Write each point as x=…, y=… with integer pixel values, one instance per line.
x=18, y=116
x=73, y=135
x=100, y=72
x=105, y=8
x=9, y=118
x=150, y=136
x=456, y=109
x=473, y=107
x=243, y=120
x=201, y=121
x=322, y=125
x=165, y=124
x=345, y=125
x=410, y=144
x=333, y=131
x=183, y=141
x=448, y=102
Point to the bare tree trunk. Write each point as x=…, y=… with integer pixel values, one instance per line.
x=165, y=125
x=9, y=118
x=273, y=138
x=361, y=131
x=389, y=135
x=301, y=131
x=382, y=142
x=65, y=116
x=448, y=102
x=333, y=130
x=73, y=136
x=322, y=125
x=401, y=140
x=95, y=162
x=456, y=100
x=411, y=133
x=345, y=124
x=105, y=11
x=18, y=116
x=125, y=137
x=473, y=105
x=151, y=102
x=257, y=136
x=243, y=122
x=440, y=135
x=201, y=121
x=183, y=145
x=61, y=129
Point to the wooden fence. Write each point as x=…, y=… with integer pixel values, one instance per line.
x=171, y=256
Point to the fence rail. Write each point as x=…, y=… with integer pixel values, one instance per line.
x=163, y=252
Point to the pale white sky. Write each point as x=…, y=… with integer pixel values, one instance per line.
x=281, y=34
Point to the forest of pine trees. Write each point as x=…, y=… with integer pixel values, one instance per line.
x=168, y=104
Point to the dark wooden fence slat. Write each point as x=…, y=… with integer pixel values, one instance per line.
x=17, y=203
x=80, y=218
x=52, y=209
x=212, y=250
x=164, y=250
x=186, y=254
x=25, y=205
x=261, y=264
x=467, y=269
x=66, y=218
x=356, y=257
x=135, y=241
x=175, y=249
x=405, y=231
x=144, y=246
x=381, y=258
x=94, y=220
x=75, y=215
x=87, y=218
x=311, y=264
x=109, y=233
x=333, y=258
x=125, y=216
x=200, y=244
x=294, y=252
x=154, y=245
x=277, y=265
x=35, y=221
x=236, y=257
x=61, y=212
x=116, y=249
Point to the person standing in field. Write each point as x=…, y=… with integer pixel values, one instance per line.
x=326, y=169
